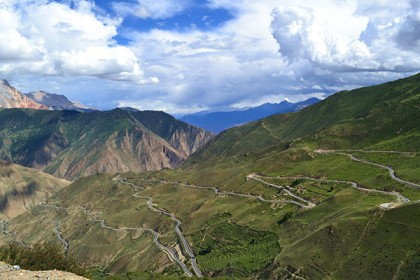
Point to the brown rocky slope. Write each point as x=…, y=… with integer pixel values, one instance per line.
x=71, y=144
x=12, y=98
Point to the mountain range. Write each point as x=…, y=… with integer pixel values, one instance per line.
x=218, y=121
x=57, y=101
x=71, y=144
x=10, y=97
x=329, y=192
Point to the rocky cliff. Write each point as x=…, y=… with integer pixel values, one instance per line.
x=12, y=98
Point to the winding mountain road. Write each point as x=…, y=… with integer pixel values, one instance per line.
x=178, y=222
x=56, y=230
x=217, y=191
x=398, y=196
x=388, y=168
x=60, y=237
x=168, y=250
x=258, y=179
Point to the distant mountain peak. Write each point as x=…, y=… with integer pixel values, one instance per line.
x=5, y=83
x=12, y=98
x=57, y=101
x=218, y=121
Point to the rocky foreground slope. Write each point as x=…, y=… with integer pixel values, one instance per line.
x=9, y=272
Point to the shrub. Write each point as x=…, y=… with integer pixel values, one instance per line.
x=41, y=256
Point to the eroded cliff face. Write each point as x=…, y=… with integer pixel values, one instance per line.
x=71, y=144
x=186, y=144
x=122, y=152
x=12, y=98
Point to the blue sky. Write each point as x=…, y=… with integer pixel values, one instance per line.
x=185, y=56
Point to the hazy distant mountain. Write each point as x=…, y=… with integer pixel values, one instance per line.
x=12, y=98
x=57, y=101
x=71, y=144
x=218, y=121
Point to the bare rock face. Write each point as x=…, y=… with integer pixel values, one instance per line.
x=57, y=101
x=122, y=152
x=12, y=98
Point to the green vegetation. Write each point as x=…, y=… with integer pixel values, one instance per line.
x=223, y=246
x=40, y=256
x=239, y=227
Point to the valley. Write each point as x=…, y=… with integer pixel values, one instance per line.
x=329, y=192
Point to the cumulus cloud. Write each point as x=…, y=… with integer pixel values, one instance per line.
x=56, y=39
x=387, y=41
x=267, y=51
x=155, y=9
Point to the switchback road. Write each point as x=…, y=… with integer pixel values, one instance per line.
x=388, y=168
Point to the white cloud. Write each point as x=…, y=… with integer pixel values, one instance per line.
x=155, y=9
x=268, y=51
x=385, y=35
x=54, y=39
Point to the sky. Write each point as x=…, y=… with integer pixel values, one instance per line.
x=186, y=56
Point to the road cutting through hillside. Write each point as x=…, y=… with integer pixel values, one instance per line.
x=60, y=237
x=178, y=222
x=168, y=250
x=258, y=179
x=400, y=198
x=217, y=191
x=388, y=168
x=56, y=230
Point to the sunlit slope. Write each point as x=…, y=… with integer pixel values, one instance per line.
x=385, y=116
x=22, y=188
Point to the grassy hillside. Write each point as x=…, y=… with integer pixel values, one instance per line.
x=71, y=144
x=22, y=188
x=262, y=201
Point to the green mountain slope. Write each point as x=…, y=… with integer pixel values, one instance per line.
x=307, y=195
x=377, y=117
x=71, y=144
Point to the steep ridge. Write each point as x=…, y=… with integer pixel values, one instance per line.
x=22, y=188
x=72, y=144
x=12, y=98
